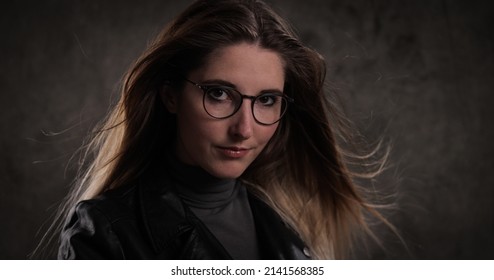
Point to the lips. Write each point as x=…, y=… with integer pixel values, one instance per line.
x=234, y=152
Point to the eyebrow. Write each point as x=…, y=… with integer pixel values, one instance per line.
x=229, y=84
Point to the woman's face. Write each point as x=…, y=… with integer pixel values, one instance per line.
x=226, y=147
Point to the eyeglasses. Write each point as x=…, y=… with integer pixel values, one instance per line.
x=222, y=102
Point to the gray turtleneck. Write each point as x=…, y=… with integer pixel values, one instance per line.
x=222, y=205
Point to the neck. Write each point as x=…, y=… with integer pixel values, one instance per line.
x=198, y=187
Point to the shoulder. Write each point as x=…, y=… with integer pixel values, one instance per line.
x=112, y=205
x=96, y=228
x=130, y=222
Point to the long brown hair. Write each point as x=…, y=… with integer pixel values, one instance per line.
x=302, y=173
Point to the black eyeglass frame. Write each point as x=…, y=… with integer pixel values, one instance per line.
x=206, y=88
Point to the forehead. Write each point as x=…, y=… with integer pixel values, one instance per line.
x=245, y=65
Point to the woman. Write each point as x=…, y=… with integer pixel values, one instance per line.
x=222, y=146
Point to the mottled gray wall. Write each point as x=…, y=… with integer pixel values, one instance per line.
x=418, y=73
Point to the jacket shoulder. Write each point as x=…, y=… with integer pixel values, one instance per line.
x=114, y=205
x=86, y=233
x=97, y=228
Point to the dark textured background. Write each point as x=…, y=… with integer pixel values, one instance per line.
x=418, y=73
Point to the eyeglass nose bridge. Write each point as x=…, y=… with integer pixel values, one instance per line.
x=244, y=96
x=252, y=99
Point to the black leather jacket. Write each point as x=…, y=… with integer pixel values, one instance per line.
x=149, y=221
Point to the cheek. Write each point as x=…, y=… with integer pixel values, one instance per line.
x=198, y=131
x=194, y=128
x=192, y=123
x=267, y=133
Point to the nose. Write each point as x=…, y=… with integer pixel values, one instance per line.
x=242, y=122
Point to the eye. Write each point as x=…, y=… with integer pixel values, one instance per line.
x=218, y=93
x=267, y=99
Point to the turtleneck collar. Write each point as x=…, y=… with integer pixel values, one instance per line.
x=200, y=189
